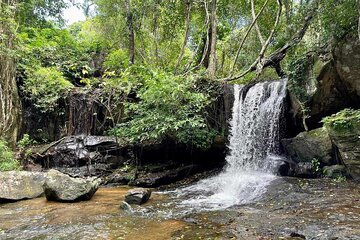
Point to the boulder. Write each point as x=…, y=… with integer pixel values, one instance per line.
x=81, y=155
x=19, y=185
x=335, y=171
x=344, y=129
x=137, y=196
x=306, y=146
x=63, y=188
x=304, y=169
x=347, y=59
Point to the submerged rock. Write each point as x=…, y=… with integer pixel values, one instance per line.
x=137, y=196
x=126, y=207
x=19, y=185
x=63, y=188
x=307, y=146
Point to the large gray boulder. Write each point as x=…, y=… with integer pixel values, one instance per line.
x=137, y=196
x=63, y=188
x=19, y=185
x=307, y=146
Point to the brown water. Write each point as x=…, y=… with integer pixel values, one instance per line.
x=318, y=209
x=99, y=218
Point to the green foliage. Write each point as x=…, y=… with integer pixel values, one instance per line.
x=344, y=121
x=340, y=179
x=45, y=86
x=25, y=141
x=117, y=61
x=315, y=165
x=7, y=161
x=299, y=76
x=337, y=18
x=168, y=107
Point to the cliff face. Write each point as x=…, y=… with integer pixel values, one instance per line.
x=337, y=86
x=334, y=79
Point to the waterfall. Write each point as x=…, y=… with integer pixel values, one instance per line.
x=254, y=147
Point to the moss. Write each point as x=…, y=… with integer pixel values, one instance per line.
x=316, y=133
x=346, y=121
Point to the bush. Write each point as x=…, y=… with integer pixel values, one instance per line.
x=168, y=106
x=45, y=86
x=26, y=141
x=117, y=61
x=7, y=161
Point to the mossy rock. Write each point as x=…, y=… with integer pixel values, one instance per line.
x=344, y=129
x=307, y=146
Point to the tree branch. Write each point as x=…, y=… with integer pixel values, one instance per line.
x=277, y=56
x=246, y=35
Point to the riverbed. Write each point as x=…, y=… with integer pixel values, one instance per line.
x=314, y=208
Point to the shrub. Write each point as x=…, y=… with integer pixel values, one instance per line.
x=45, y=86
x=7, y=161
x=168, y=106
x=26, y=141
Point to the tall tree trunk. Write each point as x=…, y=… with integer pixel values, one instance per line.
x=10, y=108
x=187, y=33
x=130, y=23
x=212, y=58
x=359, y=19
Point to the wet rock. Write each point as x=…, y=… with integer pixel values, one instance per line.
x=63, y=188
x=19, y=185
x=125, y=206
x=81, y=155
x=137, y=196
x=295, y=235
x=306, y=146
x=304, y=169
x=335, y=171
x=166, y=176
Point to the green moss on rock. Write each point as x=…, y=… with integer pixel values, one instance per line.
x=344, y=122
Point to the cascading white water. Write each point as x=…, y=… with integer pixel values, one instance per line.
x=254, y=144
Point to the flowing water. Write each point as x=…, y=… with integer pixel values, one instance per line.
x=271, y=207
x=254, y=145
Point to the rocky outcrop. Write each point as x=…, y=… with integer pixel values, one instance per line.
x=138, y=196
x=307, y=146
x=81, y=155
x=335, y=171
x=63, y=188
x=336, y=85
x=344, y=129
x=19, y=185
x=347, y=61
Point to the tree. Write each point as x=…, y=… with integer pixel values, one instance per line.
x=212, y=58
x=9, y=99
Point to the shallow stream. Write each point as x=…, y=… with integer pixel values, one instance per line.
x=318, y=209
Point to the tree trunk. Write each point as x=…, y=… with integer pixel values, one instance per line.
x=10, y=108
x=187, y=33
x=359, y=19
x=212, y=58
x=130, y=23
